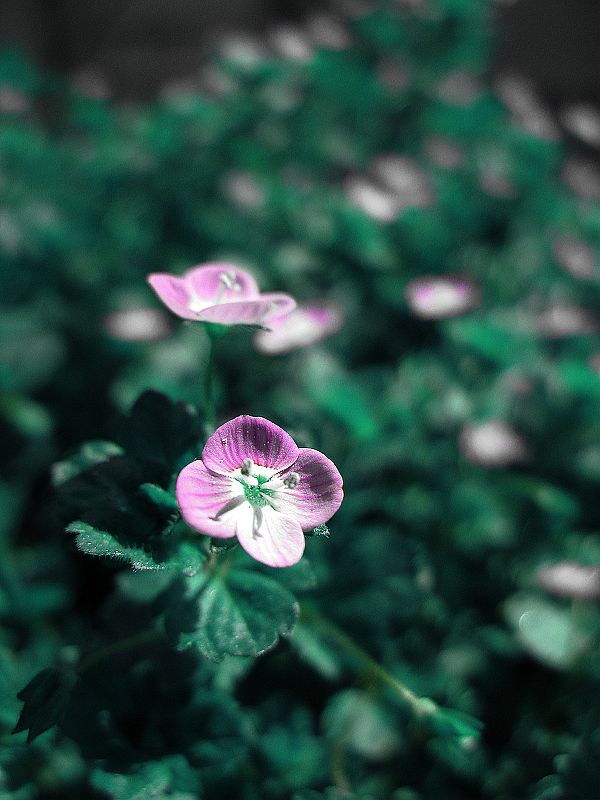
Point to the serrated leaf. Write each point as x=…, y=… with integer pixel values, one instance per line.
x=238, y=612
x=46, y=698
x=184, y=556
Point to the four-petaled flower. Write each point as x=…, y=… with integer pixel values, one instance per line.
x=219, y=293
x=255, y=483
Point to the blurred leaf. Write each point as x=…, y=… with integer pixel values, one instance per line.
x=359, y=723
x=90, y=454
x=338, y=394
x=548, y=632
x=316, y=651
x=46, y=698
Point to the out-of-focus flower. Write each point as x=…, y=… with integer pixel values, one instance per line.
x=441, y=296
x=575, y=256
x=492, y=444
x=444, y=152
x=219, y=293
x=407, y=181
x=378, y=203
x=564, y=319
x=137, y=325
x=583, y=121
x=582, y=176
x=570, y=579
x=303, y=326
x=253, y=482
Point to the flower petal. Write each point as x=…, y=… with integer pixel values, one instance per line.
x=244, y=437
x=223, y=281
x=246, y=312
x=201, y=495
x=271, y=538
x=173, y=292
x=318, y=493
x=304, y=326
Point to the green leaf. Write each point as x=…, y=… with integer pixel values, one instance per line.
x=550, y=634
x=316, y=651
x=339, y=394
x=184, y=556
x=159, y=497
x=497, y=342
x=235, y=612
x=357, y=721
x=46, y=698
x=172, y=778
x=90, y=454
x=160, y=431
x=449, y=723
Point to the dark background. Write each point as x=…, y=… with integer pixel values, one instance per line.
x=140, y=44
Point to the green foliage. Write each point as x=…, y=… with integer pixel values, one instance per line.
x=233, y=612
x=45, y=697
x=181, y=669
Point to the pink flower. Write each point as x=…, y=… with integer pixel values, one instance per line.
x=303, y=326
x=220, y=293
x=441, y=296
x=253, y=482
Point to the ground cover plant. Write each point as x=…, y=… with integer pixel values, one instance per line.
x=343, y=254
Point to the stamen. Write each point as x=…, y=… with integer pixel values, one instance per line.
x=229, y=506
x=256, y=523
x=291, y=480
x=228, y=280
x=246, y=468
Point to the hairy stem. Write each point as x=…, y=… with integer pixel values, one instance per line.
x=419, y=705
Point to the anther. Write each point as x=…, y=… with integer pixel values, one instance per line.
x=291, y=480
x=246, y=468
x=229, y=280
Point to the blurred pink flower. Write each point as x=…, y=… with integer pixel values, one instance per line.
x=493, y=444
x=441, y=296
x=303, y=326
x=219, y=293
x=253, y=482
x=138, y=325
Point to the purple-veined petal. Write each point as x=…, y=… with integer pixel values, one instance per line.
x=173, y=292
x=216, y=283
x=247, y=312
x=201, y=495
x=317, y=495
x=265, y=443
x=272, y=538
x=301, y=327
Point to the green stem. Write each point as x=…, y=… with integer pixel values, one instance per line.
x=122, y=646
x=420, y=705
x=209, y=387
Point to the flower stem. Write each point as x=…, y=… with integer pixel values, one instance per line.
x=121, y=646
x=420, y=705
